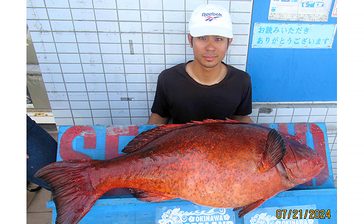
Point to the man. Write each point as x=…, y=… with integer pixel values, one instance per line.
x=206, y=87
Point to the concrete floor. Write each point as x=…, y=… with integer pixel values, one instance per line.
x=37, y=211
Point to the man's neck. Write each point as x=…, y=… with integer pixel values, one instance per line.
x=204, y=75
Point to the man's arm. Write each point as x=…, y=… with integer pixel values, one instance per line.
x=157, y=119
x=245, y=119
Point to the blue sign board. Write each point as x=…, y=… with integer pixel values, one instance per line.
x=290, y=72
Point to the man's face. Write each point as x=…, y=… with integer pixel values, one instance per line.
x=209, y=51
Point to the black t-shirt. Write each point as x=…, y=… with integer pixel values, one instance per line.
x=181, y=98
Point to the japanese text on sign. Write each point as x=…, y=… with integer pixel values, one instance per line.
x=299, y=10
x=280, y=35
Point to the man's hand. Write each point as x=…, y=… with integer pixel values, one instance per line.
x=245, y=119
x=157, y=119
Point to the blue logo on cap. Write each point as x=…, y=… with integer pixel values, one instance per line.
x=211, y=16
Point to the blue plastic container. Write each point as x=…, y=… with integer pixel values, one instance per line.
x=126, y=210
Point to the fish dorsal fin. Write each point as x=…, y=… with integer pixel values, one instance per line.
x=274, y=151
x=148, y=136
x=213, y=121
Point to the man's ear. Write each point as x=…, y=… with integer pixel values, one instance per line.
x=229, y=41
x=190, y=39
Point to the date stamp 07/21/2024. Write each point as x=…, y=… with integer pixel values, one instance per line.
x=303, y=213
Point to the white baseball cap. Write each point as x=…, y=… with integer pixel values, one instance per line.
x=209, y=19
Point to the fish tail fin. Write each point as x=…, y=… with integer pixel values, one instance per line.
x=72, y=190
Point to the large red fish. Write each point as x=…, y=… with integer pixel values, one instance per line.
x=213, y=163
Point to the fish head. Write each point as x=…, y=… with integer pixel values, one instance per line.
x=300, y=162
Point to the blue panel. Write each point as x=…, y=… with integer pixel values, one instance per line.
x=145, y=127
x=285, y=75
x=311, y=201
x=123, y=141
x=127, y=210
x=291, y=130
x=61, y=130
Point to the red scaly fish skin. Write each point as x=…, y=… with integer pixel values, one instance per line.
x=224, y=164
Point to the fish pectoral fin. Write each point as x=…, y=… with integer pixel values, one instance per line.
x=274, y=151
x=247, y=208
x=149, y=196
